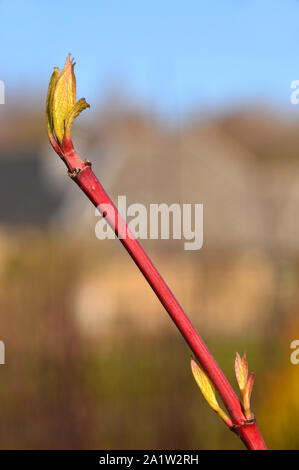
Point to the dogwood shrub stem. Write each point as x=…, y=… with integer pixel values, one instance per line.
x=83, y=175
x=62, y=109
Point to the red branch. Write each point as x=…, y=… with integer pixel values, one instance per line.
x=83, y=175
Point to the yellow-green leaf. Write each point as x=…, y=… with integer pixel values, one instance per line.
x=205, y=385
x=64, y=98
x=208, y=391
x=75, y=111
x=53, y=81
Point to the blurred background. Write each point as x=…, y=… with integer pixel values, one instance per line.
x=190, y=102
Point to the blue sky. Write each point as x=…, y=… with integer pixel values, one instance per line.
x=173, y=55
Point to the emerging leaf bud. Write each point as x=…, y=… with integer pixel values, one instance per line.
x=62, y=108
x=245, y=383
x=247, y=395
x=241, y=369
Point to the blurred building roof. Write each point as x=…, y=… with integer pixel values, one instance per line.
x=243, y=167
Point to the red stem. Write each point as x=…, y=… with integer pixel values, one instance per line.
x=87, y=181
